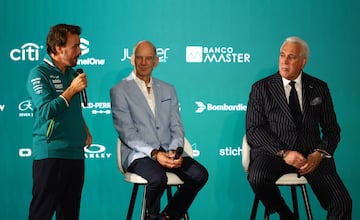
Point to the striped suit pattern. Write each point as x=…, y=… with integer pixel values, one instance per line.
x=270, y=128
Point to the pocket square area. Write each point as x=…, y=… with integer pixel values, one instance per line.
x=316, y=101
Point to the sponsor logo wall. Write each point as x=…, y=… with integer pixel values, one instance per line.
x=212, y=59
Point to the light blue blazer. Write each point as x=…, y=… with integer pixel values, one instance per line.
x=139, y=130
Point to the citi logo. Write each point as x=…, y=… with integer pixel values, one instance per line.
x=27, y=52
x=201, y=107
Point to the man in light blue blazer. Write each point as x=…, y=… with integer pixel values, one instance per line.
x=146, y=117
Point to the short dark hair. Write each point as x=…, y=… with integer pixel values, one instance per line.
x=58, y=36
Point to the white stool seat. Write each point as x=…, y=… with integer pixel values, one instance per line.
x=291, y=179
x=173, y=179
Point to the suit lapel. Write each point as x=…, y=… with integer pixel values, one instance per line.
x=139, y=96
x=156, y=89
x=276, y=89
x=307, y=88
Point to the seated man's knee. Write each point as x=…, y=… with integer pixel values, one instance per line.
x=159, y=180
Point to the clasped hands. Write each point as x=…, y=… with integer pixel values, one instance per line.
x=304, y=165
x=167, y=159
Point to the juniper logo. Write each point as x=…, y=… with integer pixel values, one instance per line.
x=201, y=107
x=161, y=52
x=84, y=46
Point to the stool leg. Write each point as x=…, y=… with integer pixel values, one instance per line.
x=169, y=193
x=295, y=201
x=266, y=215
x=143, y=209
x=254, y=208
x=132, y=202
x=307, y=203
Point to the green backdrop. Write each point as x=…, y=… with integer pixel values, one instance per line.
x=212, y=51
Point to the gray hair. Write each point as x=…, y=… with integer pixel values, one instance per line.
x=305, y=52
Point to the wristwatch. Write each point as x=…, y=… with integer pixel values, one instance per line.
x=154, y=154
x=323, y=153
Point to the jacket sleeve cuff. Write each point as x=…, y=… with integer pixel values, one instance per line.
x=67, y=103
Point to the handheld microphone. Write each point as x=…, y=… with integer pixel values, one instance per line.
x=83, y=93
x=178, y=152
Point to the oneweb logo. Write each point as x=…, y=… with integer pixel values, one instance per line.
x=201, y=54
x=27, y=52
x=84, y=46
x=201, y=107
x=89, y=61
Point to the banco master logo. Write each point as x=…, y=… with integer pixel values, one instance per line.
x=201, y=54
x=201, y=107
x=89, y=61
x=27, y=52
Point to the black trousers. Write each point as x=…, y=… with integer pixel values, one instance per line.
x=325, y=182
x=57, y=186
x=191, y=172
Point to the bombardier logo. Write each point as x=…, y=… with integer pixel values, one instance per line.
x=201, y=107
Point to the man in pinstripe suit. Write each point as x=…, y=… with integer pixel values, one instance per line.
x=280, y=145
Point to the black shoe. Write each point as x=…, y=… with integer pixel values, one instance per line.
x=288, y=217
x=164, y=216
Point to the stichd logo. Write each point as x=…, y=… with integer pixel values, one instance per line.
x=27, y=52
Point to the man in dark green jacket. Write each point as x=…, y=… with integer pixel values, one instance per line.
x=60, y=132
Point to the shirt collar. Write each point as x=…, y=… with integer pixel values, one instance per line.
x=297, y=80
x=141, y=82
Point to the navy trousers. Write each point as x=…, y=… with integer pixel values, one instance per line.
x=57, y=186
x=191, y=172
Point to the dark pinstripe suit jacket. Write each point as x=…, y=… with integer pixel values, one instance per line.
x=270, y=126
